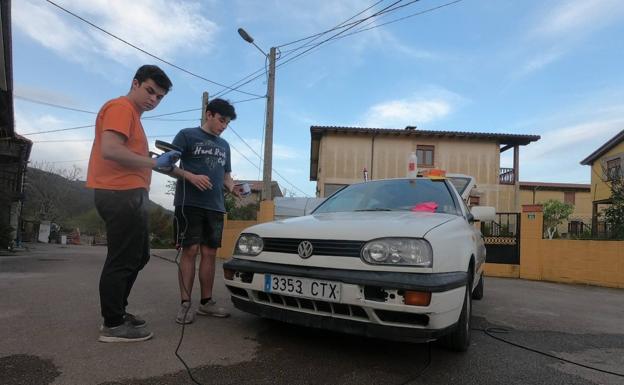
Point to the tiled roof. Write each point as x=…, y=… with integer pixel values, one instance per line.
x=556, y=186
x=408, y=131
x=604, y=148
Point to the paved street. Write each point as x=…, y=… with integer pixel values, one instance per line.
x=50, y=317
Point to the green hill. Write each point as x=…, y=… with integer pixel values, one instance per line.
x=64, y=200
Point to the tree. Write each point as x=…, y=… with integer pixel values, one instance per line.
x=614, y=214
x=555, y=212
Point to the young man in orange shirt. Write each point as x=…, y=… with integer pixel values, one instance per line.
x=120, y=171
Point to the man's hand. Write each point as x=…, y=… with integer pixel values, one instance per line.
x=236, y=191
x=166, y=161
x=202, y=182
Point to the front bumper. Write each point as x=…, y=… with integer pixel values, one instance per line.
x=356, y=312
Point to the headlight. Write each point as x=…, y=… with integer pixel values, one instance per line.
x=249, y=244
x=398, y=251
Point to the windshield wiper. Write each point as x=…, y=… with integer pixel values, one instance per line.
x=374, y=209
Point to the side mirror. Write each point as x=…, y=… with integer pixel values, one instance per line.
x=470, y=218
x=483, y=213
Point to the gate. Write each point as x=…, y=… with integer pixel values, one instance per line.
x=502, y=238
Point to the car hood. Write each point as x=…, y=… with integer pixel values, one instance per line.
x=353, y=225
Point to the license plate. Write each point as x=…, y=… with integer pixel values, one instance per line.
x=302, y=287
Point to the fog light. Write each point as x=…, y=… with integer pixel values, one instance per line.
x=228, y=274
x=417, y=298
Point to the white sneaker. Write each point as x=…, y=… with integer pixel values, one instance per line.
x=212, y=309
x=185, y=314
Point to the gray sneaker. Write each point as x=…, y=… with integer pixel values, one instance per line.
x=135, y=320
x=185, y=314
x=212, y=309
x=124, y=333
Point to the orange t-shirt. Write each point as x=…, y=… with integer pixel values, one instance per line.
x=118, y=115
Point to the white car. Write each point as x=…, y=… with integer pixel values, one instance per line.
x=396, y=259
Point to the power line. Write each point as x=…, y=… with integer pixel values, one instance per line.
x=345, y=28
x=258, y=155
x=400, y=19
x=236, y=84
x=364, y=29
x=353, y=25
x=171, y=113
x=146, y=52
x=67, y=161
x=60, y=129
x=243, y=155
x=52, y=104
x=91, y=139
x=327, y=31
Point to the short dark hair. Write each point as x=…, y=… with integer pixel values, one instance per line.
x=153, y=72
x=222, y=107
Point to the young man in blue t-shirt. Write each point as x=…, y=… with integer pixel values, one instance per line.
x=204, y=174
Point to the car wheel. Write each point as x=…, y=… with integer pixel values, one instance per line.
x=477, y=293
x=459, y=339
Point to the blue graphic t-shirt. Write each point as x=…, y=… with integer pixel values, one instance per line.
x=202, y=154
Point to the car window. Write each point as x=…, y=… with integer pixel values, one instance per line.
x=460, y=183
x=390, y=195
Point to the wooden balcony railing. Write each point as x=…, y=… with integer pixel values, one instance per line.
x=507, y=176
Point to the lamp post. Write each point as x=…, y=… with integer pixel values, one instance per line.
x=268, y=131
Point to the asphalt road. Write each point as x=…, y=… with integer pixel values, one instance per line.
x=49, y=316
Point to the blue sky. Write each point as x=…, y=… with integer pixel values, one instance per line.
x=523, y=67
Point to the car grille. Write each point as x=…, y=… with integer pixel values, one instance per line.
x=320, y=307
x=321, y=246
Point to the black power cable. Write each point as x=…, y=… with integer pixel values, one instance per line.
x=423, y=370
x=186, y=290
x=498, y=330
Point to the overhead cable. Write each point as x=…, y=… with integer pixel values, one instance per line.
x=146, y=52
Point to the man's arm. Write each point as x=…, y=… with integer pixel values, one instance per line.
x=228, y=182
x=114, y=148
x=202, y=182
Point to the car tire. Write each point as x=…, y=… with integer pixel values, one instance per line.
x=477, y=293
x=459, y=339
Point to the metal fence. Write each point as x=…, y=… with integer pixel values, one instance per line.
x=582, y=228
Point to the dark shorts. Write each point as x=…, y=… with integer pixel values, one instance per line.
x=197, y=226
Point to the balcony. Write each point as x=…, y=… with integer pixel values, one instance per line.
x=507, y=176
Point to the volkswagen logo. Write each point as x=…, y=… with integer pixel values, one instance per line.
x=305, y=249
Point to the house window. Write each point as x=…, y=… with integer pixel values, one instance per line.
x=473, y=201
x=425, y=156
x=331, y=188
x=614, y=169
x=568, y=197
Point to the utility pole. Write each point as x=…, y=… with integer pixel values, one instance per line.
x=268, y=132
x=203, y=110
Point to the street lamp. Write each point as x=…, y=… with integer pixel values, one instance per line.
x=268, y=132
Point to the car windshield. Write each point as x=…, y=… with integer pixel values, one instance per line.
x=393, y=195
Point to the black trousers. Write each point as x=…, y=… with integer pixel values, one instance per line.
x=127, y=231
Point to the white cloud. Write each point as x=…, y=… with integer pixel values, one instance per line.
x=558, y=29
x=562, y=149
x=158, y=26
x=579, y=17
x=430, y=105
x=539, y=61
